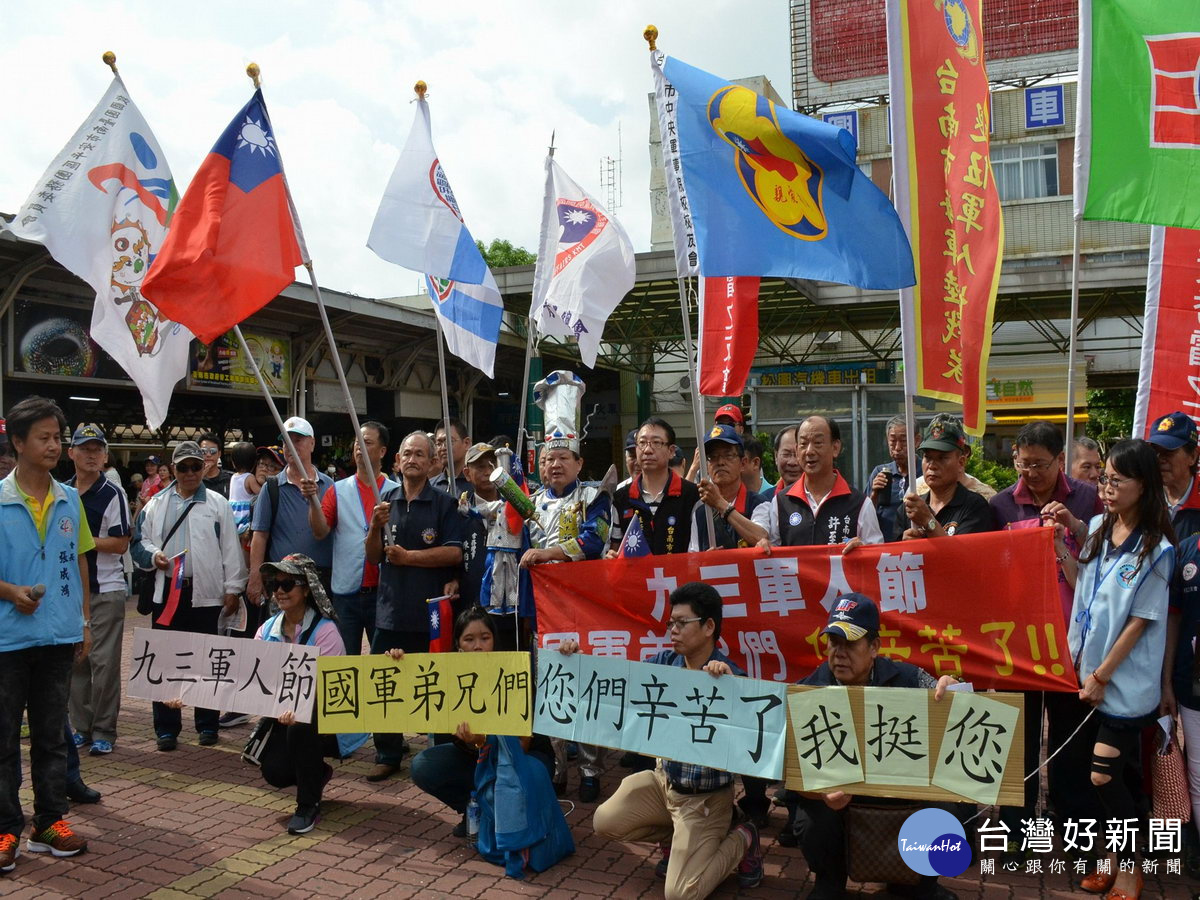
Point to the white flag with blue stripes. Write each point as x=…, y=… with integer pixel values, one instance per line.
x=418, y=224
x=470, y=315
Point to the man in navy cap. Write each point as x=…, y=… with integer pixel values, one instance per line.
x=852, y=659
x=724, y=492
x=96, y=682
x=1174, y=439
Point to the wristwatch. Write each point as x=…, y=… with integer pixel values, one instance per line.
x=87, y=623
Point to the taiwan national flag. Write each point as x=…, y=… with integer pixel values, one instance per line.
x=174, y=592
x=234, y=243
x=441, y=625
x=1137, y=141
x=633, y=542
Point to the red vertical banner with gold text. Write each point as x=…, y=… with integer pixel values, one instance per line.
x=946, y=197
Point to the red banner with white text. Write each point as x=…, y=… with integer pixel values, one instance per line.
x=984, y=607
x=1169, y=376
x=728, y=334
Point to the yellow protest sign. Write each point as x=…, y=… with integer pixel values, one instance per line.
x=425, y=692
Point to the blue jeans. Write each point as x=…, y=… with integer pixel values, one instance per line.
x=356, y=617
x=36, y=682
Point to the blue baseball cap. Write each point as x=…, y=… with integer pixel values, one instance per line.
x=88, y=432
x=631, y=439
x=725, y=434
x=853, y=616
x=1172, y=431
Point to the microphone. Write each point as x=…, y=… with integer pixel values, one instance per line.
x=38, y=591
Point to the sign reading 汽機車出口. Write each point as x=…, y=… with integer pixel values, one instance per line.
x=260, y=678
x=1011, y=634
x=724, y=722
x=425, y=692
x=900, y=742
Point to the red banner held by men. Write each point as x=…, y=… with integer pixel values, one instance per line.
x=728, y=334
x=946, y=197
x=1169, y=376
x=984, y=607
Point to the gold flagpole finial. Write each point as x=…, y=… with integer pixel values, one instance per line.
x=255, y=74
x=110, y=60
x=651, y=36
x=420, y=87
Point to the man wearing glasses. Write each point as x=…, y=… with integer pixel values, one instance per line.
x=661, y=499
x=1042, y=489
x=460, y=441
x=187, y=522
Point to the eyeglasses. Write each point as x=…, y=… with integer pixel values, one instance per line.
x=281, y=584
x=188, y=468
x=1022, y=466
x=651, y=444
x=1114, y=483
x=209, y=451
x=680, y=624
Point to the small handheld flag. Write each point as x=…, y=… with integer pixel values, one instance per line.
x=441, y=621
x=173, y=592
x=633, y=542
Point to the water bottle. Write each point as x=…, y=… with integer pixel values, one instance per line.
x=472, y=820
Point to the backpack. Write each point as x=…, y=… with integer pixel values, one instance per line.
x=520, y=821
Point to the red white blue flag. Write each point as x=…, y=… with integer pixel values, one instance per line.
x=174, y=592
x=234, y=242
x=633, y=542
x=441, y=625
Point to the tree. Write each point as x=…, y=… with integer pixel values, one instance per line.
x=1110, y=414
x=503, y=253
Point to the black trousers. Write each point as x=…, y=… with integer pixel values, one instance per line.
x=198, y=620
x=295, y=755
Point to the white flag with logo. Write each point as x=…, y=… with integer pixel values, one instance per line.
x=585, y=266
x=102, y=210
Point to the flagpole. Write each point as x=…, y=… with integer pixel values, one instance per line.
x=531, y=337
x=686, y=291
x=266, y=392
x=253, y=71
x=1071, y=346
x=650, y=35
x=452, y=484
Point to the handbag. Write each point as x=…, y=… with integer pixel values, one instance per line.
x=144, y=587
x=252, y=752
x=1168, y=769
x=873, y=843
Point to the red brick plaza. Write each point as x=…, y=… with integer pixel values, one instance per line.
x=201, y=823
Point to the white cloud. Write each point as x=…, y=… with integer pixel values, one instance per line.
x=338, y=79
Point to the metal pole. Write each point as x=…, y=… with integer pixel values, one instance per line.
x=453, y=483
x=530, y=343
x=341, y=374
x=685, y=291
x=262, y=383
x=1072, y=346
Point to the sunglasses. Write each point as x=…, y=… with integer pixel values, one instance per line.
x=189, y=468
x=281, y=584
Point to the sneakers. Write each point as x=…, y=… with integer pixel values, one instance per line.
x=230, y=719
x=58, y=840
x=101, y=748
x=382, y=772
x=9, y=851
x=305, y=819
x=167, y=742
x=460, y=830
x=80, y=740
x=750, y=869
x=207, y=738
x=660, y=870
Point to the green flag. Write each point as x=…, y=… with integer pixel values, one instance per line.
x=1137, y=156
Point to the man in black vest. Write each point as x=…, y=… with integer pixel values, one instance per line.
x=852, y=658
x=662, y=500
x=821, y=507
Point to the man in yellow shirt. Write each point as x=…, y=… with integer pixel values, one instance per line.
x=44, y=609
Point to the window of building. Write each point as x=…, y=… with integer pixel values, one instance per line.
x=1025, y=171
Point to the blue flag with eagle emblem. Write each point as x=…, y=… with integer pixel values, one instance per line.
x=761, y=190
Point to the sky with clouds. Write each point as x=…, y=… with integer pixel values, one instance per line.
x=338, y=77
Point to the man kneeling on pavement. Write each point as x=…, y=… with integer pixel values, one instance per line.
x=687, y=809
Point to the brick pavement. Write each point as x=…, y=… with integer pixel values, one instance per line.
x=200, y=823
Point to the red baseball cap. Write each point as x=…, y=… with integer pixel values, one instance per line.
x=733, y=411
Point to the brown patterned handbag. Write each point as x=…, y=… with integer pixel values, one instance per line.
x=872, y=843
x=1169, y=772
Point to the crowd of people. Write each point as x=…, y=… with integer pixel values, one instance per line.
x=278, y=550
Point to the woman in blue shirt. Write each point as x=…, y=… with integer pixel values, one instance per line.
x=1118, y=629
